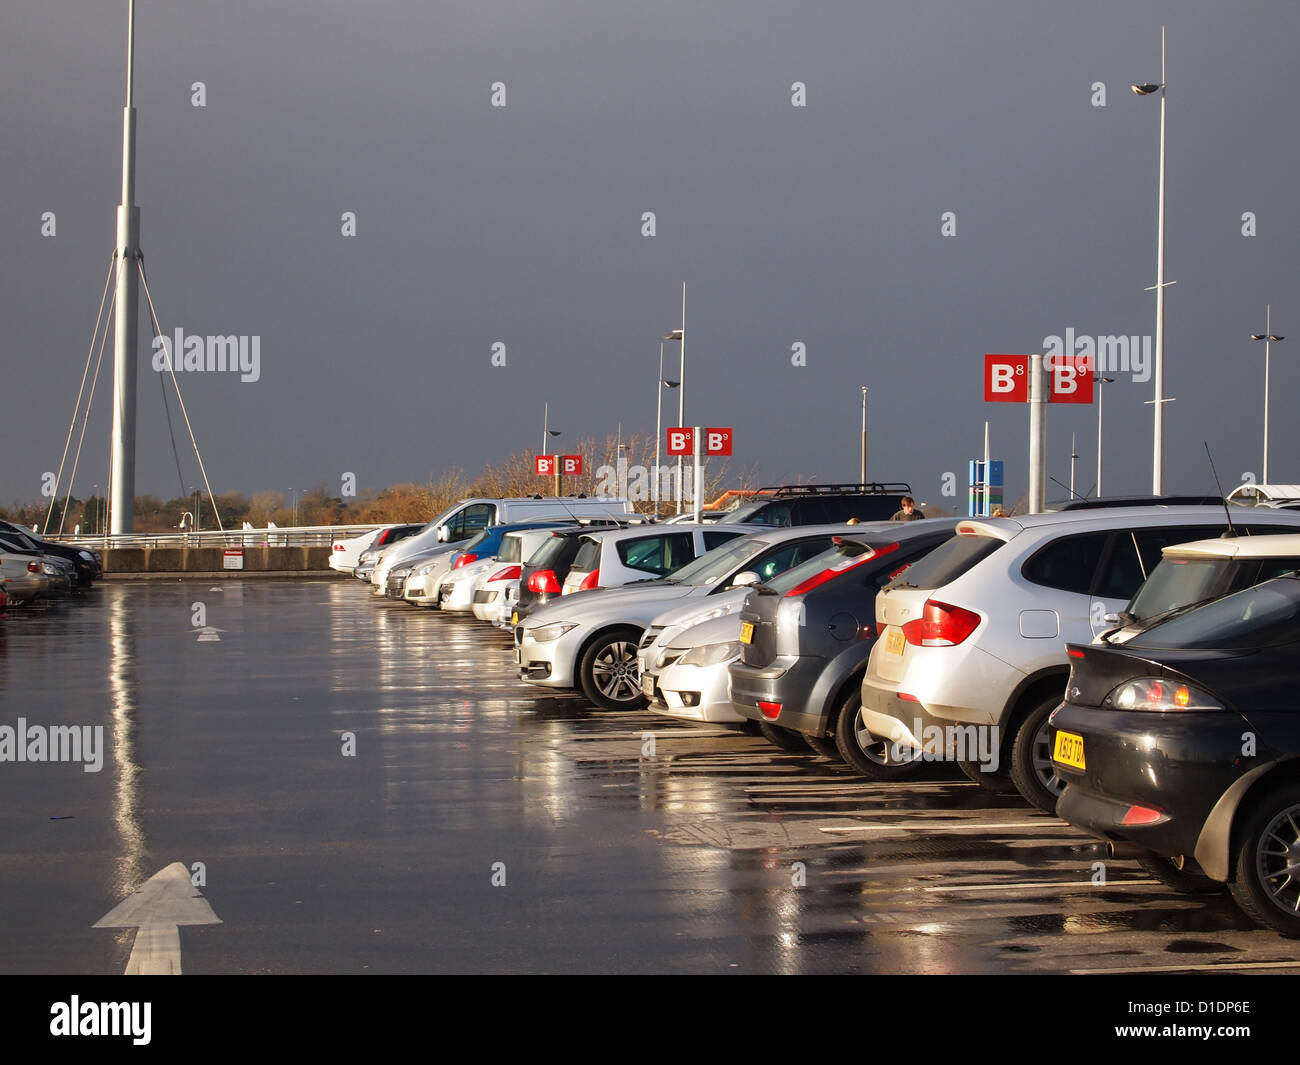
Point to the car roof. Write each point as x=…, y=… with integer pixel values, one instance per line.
x=1269, y=545
x=635, y=531
x=1101, y=520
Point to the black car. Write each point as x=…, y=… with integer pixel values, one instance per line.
x=87, y=563
x=820, y=504
x=1183, y=747
x=806, y=636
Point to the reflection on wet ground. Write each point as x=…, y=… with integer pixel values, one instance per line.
x=478, y=825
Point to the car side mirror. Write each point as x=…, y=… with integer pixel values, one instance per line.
x=745, y=579
x=1111, y=619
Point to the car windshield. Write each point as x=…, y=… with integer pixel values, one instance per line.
x=1263, y=616
x=744, y=514
x=480, y=538
x=721, y=562
x=552, y=548
x=1176, y=583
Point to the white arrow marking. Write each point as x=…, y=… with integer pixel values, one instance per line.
x=156, y=909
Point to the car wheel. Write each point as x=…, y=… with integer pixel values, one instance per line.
x=866, y=753
x=1267, y=882
x=1032, y=770
x=608, y=671
x=786, y=739
x=1184, y=880
x=998, y=782
x=823, y=746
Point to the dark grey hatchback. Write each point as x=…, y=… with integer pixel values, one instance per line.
x=806, y=636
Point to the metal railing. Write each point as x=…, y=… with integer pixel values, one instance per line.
x=300, y=536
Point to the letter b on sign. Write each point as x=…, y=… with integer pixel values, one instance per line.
x=1006, y=378
x=571, y=465
x=681, y=441
x=717, y=441
x=544, y=465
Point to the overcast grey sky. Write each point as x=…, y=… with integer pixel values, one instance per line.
x=522, y=224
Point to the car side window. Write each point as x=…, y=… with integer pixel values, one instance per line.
x=1151, y=542
x=717, y=537
x=1069, y=564
x=1123, y=572
x=657, y=554
x=810, y=512
x=471, y=520
x=776, y=514
x=780, y=559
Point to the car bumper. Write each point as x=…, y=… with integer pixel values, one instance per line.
x=970, y=687
x=1155, y=762
x=786, y=681
x=691, y=693
x=550, y=664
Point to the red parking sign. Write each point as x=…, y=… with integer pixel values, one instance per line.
x=681, y=440
x=1006, y=378
x=544, y=465
x=717, y=441
x=571, y=465
x=1071, y=378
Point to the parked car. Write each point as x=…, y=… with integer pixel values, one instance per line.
x=820, y=504
x=972, y=637
x=620, y=556
x=1184, y=744
x=806, y=637
x=345, y=555
x=468, y=517
x=1194, y=573
x=25, y=575
x=589, y=640
x=686, y=677
x=85, y=564
x=416, y=579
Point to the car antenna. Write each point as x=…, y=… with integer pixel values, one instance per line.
x=1070, y=490
x=1232, y=531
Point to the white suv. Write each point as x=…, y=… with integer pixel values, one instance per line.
x=971, y=654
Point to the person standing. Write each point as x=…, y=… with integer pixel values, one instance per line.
x=909, y=511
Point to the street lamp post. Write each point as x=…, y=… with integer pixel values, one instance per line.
x=680, y=336
x=659, y=408
x=1268, y=337
x=1101, y=383
x=862, y=464
x=1158, y=458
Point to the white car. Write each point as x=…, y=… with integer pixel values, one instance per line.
x=971, y=659
x=685, y=675
x=589, y=640
x=616, y=557
x=500, y=586
x=421, y=585
x=345, y=555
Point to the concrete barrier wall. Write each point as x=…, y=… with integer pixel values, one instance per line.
x=131, y=561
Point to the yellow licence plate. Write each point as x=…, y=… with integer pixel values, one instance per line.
x=1069, y=750
x=895, y=642
x=746, y=632
x=514, y=618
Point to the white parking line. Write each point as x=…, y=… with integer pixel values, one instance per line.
x=1031, y=884
x=949, y=826
x=1207, y=968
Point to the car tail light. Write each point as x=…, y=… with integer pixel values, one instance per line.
x=852, y=562
x=941, y=625
x=591, y=580
x=33, y=567
x=1074, y=652
x=881, y=626
x=464, y=559
x=338, y=547
x=771, y=711
x=507, y=573
x=383, y=537
x=1152, y=693
x=1142, y=815
x=543, y=582
x=908, y=697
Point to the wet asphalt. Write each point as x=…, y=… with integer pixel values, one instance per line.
x=482, y=826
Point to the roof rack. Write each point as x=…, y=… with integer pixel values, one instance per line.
x=1106, y=503
x=854, y=488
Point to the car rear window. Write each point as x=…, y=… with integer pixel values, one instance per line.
x=796, y=575
x=947, y=562
x=1176, y=583
x=659, y=555
x=588, y=556
x=1263, y=616
x=512, y=546
x=550, y=551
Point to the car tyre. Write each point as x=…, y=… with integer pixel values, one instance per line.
x=608, y=672
x=1032, y=770
x=823, y=746
x=786, y=739
x=1184, y=880
x=998, y=782
x=863, y=751
x=1267, y=867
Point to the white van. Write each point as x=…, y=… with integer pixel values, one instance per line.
x=461, y=521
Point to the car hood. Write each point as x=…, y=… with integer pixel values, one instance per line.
x=601, y=603
x=725, y=629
